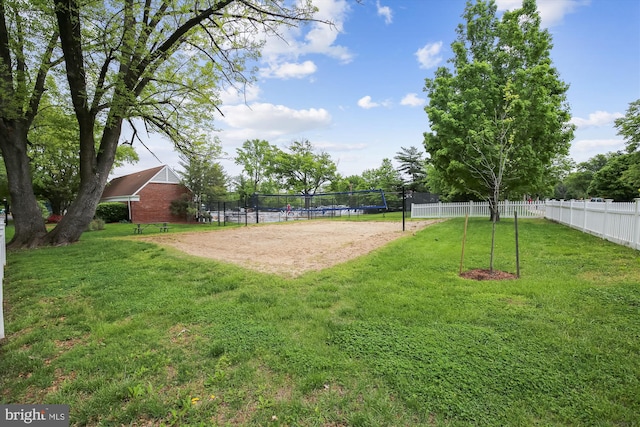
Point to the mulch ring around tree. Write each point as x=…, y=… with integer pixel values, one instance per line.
x=481, y=274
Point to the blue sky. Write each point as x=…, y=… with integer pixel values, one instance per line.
x=355, y=90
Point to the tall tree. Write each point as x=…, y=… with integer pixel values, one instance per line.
x=203, y=175
x=629, y=126
x=576, y=184
x=256, y=158
x=385, y=177
x=302, y=169
x=28, y=50
x=617, y=179
x=499, y=118
x=412, y=165
x=161, y=62
x=53, y=142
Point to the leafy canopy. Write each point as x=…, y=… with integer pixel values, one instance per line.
x=499, y=117
x=629, y=126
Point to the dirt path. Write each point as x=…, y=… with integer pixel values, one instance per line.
x=290, y=249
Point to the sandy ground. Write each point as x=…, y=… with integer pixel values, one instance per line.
x=290, y=249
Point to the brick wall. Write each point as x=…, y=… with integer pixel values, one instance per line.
x=155, y=202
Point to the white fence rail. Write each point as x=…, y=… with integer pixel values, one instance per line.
x=461, y=209
x=618, y=222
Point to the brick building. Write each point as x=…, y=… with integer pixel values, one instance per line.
x=148, y=194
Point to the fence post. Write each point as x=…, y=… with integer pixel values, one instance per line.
x=606, y=214
x=571, y=213
x=584, y=220
x=636, y=225
x=470, y=207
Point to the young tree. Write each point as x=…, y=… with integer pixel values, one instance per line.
x=161, y=62
x=302, y=169
x=500, y=118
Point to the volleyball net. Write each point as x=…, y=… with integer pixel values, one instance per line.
x=361, y=201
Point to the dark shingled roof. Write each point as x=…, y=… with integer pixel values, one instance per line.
x=129, y=185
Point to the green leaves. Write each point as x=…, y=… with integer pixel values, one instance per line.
x=501, y=113
x=629, y=126
x=303, y=169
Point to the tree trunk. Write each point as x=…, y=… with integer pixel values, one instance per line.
x=30, y=230
x=495, y=217
x=27, y=217
x=94, y=172
x=79, y=214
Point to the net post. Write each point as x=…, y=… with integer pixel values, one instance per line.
x=404, y=209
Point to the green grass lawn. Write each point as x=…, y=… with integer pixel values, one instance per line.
x=129, y=333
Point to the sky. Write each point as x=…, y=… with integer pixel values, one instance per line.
x=355, y=89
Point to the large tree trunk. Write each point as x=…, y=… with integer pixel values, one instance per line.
x=27, y=217
x=94, y=172
x=79, y=214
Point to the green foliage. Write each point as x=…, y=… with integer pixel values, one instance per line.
x=386, y=177
x=412, y=165
x=44, y=211
x=349, y=183
x=629, y=126
x=112, y=212
x=618, y=179
x=500, y=118
x=257, y=159
x=182, y=207
x=203, y=175
x=391, y=338
x=160, y=67
x=96, y=224
x=303, y=170
x=577, y=184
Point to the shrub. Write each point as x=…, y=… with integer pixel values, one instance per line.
x=181, y=206
x=43, y=209
x=112, y=212
x=95, y=225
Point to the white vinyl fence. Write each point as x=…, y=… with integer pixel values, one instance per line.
x=525, y=209
x=618, y=222
x=3, y=261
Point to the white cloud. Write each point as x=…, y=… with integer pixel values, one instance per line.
x=597, y=119
x=584, y=149
x=335, y=147
x=429, y=55
x=271, y=120
x=366, y=103
x=320, y=39
x=239, y=95
x=552, y=12
x=385, y=11
x=288, y=70
x=412, y=100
